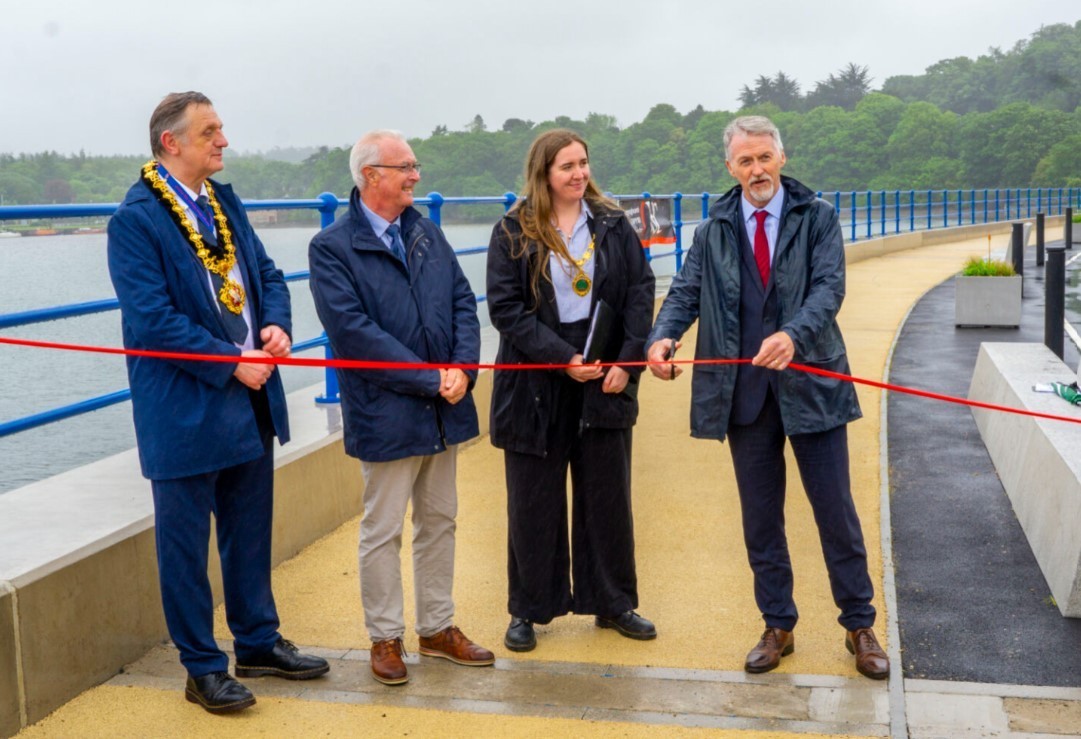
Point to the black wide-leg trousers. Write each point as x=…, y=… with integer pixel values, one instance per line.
x=599, y=549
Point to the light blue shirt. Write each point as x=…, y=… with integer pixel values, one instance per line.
x=380, y=226
x=572, y=306
x=773, y=220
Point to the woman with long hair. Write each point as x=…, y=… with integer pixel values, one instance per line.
x=565, y=255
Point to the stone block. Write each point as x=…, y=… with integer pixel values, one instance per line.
x=1037, y=460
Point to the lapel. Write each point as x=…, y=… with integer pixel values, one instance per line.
x=193, y=276
x=599, y=228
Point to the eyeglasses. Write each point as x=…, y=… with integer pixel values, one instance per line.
x=403, y=168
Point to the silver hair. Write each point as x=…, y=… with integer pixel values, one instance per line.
x=750, y=125
x=366, y=152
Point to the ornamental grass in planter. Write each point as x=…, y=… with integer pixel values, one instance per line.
x=988, y=294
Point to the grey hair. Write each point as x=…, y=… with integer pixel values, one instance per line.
x=172, y=115
x=750, y=125
x=365, y=152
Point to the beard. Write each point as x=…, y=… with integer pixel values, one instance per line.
x=762, y=190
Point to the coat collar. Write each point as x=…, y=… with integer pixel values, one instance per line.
x=364, y=236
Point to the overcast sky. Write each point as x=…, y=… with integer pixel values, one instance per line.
x=78, y=74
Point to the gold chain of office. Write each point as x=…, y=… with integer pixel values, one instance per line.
x=231, y=294
x=580, y=282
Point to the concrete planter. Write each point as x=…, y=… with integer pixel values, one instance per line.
x=988, y=301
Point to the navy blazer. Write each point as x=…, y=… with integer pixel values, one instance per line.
x=190, y=417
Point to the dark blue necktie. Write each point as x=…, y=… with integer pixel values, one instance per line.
x=396, y=246
x=235, y=325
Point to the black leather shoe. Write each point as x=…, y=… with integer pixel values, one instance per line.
x=520, y=635
x=218, y=692
x=284, y=660
x=630, y=624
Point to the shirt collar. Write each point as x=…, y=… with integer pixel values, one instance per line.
x=773, y=207
x=585, y=214
x=191, y=193
x=378, y=222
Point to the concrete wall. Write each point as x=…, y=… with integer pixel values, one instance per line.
x=857, y=251
x=79, y=593
x=9, y=680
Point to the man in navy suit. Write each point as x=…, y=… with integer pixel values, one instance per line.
x=765, y=277
x=192, y=277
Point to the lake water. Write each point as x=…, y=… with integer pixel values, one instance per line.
x=46, y=271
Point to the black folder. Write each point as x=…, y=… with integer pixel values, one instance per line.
x=600, y=332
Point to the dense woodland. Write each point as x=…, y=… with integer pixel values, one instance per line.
x=1007, y=119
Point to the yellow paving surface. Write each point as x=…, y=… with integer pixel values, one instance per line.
x=694, y=581
x=114, y=713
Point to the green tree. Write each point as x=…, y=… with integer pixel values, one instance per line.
x=1003, y=147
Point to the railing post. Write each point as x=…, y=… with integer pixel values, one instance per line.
x=911, y=210
x=852, y=210
x=677, y=216
x=870, y=212
x=1028, y=203
x=1055, y=300
x=1039, y=239
x=985, y=205
x=330, y=378
x=930, y=208
x=897, y=211
x=435, y=208
x=331, y=394
x=1067, y=229
x=327, y=208
x=996, y=206
x=1008, y=216
x=509, y=199
x=882, y=209
x=705, y=205
x=945, y=209
x=1039, y=200
x=1017, y=243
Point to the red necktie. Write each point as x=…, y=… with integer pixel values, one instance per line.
x=761, y=246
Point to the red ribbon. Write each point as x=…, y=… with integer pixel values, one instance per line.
x=381, y=365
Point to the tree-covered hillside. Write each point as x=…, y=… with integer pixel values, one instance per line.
x=1006, y=119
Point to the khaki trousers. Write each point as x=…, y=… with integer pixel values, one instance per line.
x=429, y=483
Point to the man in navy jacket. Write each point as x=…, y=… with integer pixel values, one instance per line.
x=192, y=277
x=388, y=287
x=765, y=278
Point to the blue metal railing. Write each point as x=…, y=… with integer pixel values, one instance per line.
x=857, y=218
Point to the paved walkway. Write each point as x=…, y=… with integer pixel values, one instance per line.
x=694, y=583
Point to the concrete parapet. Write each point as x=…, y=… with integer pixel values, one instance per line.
x=79, y=594
x=857, y=251
x=1037, y=460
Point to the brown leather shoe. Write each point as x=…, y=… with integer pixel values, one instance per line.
x=871, y=660
x=766, y=655
x=452, y=644
x=387, y=665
